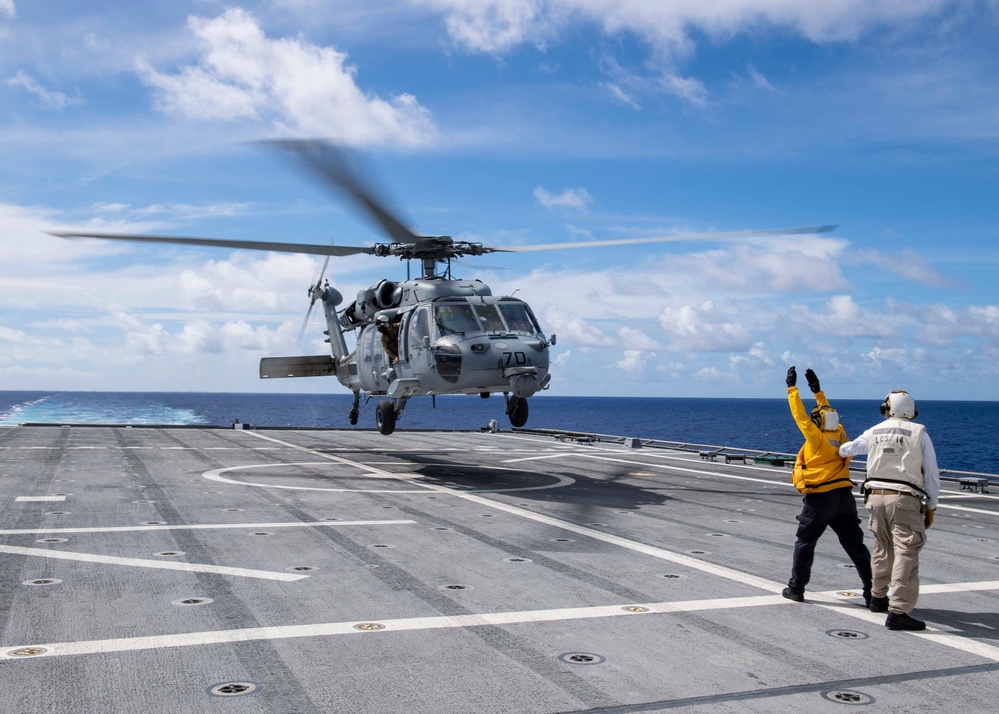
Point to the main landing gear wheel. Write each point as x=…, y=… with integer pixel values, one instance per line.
x=352, y=417
x=518, y=412
x=385, y=416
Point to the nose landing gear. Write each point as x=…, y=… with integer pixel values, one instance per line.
x=387, y=413
x=516, y=409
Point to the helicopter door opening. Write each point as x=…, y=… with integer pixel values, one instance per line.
x=418, y=331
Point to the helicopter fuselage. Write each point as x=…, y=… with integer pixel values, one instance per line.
x=430, y=336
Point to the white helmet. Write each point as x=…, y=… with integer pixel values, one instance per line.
x=826, y=418
x=899, y=405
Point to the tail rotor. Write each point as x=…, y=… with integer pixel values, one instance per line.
x=315, y=293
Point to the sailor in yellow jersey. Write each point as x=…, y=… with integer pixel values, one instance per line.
x=823, y=476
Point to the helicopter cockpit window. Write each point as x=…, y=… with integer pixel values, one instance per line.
x=518, y=317
x=456, y=317
x=489, y=317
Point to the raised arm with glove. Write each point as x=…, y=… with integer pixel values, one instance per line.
x=813, y=381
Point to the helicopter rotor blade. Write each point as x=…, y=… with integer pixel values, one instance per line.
x=306, y=248
x=313, y=296
x=665, y=239
x=332, y=164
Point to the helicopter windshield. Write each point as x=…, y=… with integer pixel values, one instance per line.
x=518, y=317
x=462, y=317
x=456, y=317
x=489, y=317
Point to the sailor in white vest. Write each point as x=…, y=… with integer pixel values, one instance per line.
x=901, y=490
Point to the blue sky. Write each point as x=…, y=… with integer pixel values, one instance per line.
x=512, y=122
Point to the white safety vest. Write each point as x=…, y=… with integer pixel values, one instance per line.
x=894, y=454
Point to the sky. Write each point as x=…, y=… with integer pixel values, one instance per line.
x=511, y=122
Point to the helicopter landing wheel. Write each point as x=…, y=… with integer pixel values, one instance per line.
x=352, y=417
x=518, y=412
x=385, y=416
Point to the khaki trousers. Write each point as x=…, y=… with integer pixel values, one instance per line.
x=896, y=520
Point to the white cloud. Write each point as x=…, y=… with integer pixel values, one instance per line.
x=493, y=26
x=9, y=334
x=704, y=328
x=499, y=25
x=574, y=330
x=908, y=264
x=55, y=100
x=7, y=8
x=758, y=80
x=667, y=28
x=577, y=198
x=620, y=94
x=304, y=88
x=842, y=317
x=267, y=283
x=173, y=211
x=636, y=364
x=765, y=265
x=633, y=339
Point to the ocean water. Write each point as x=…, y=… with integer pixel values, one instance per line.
x=964, y=433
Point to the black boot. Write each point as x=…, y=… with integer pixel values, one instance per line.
x=878, y=604
x=903, y=622
x=794, y=594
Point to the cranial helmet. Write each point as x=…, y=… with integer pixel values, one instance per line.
x=826, y=418
x=899, y=404
x=382, y=320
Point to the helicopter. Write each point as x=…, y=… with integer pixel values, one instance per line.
x=427, y=336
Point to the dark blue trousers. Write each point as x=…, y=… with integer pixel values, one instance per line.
x=838, y=510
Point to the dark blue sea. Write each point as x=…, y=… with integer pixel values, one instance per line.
x=964, y=433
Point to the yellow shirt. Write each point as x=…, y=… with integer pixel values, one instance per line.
x=819, y=467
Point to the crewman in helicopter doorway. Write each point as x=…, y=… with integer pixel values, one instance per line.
x=823, y=476
x=389, y=330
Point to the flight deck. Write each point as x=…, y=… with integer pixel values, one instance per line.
x=212, y=570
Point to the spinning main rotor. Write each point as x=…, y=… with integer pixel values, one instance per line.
x=332, y=165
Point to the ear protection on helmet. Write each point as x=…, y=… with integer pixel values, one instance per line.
x=826, y=418
x=900, y=405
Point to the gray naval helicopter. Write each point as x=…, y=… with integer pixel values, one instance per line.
x=419, y=337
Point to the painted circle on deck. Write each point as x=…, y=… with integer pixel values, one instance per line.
x=217, y=475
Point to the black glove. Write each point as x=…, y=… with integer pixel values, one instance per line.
x=813, y=381
x=792, y=377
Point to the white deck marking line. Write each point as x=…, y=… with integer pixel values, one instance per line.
x=699, y=472
x=30, y=499
x=970, y=494
x=206, y=526
x=156, y=564
x=329, y=629
x=938, y=588
x=216, y=475
x=539, y=458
